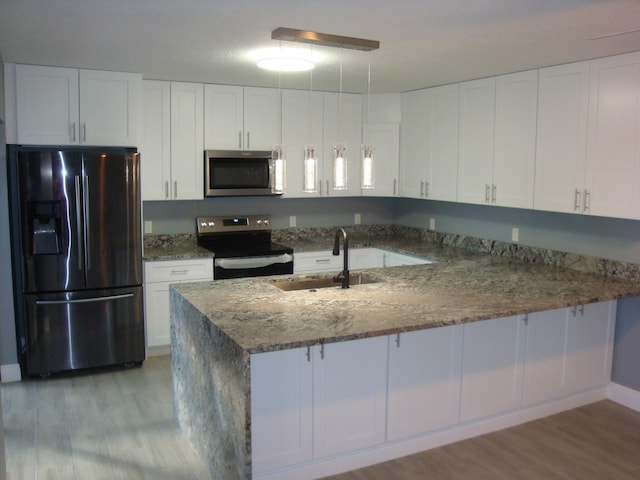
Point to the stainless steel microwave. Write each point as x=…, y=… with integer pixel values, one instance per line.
x=235, y=173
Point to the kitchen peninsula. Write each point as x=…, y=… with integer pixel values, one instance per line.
x=229, y=382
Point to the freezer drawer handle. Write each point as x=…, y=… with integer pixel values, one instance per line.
x=84, y=300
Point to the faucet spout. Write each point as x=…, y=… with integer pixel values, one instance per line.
x=343, y=276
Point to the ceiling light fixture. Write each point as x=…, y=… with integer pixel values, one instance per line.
x=325, y=39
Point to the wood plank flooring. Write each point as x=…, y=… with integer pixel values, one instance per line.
x=600, y=441
x=109, y=425
x=120, y=425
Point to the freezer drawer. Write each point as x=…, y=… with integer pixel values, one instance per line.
x=85, y=329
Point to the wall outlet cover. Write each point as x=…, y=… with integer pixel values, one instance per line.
x=292, y=221
x=432, y=224
x=357, y=219
x=515, y=234
x=148, y=226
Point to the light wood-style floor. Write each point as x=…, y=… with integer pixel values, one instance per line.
x=120, y=425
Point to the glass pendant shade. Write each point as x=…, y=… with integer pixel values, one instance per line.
x=367, y=167
x=339, y=167
x=310, y=180
x=279, y=173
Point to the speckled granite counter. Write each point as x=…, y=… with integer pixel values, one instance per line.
x=462, y=287
x=217, y=326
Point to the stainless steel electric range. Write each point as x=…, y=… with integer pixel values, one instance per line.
x=242, y=246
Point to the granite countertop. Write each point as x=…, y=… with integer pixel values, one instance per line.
x=463, y=286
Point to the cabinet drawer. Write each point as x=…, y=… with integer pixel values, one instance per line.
x=178, y=270
x=317, y=262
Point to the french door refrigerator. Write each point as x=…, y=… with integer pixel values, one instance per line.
x=77, y=257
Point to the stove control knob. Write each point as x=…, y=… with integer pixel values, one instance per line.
x=259, y=222
x=203, y=224
x=266, y=222
x=211, y=224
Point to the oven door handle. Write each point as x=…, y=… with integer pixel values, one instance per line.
x=252, y=262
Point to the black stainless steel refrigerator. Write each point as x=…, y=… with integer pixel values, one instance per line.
x=77, y=257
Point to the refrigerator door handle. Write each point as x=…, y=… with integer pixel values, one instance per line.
x=87, y=226
x=79, y=222
x=84, y=300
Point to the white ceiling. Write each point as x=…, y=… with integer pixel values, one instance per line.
x=422, y=42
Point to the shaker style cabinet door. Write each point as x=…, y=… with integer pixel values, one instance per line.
x=385, y=139
x=563, y=100
x=155, y=149
x=414, y=144
x=613, y=154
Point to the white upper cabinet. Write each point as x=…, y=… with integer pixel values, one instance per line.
x=515, y=139
x=241, y=118
x=612, y=186
x=155, y=148
x=475, y=155
x=385, y=140
x=563, y=101
x=342, y=125
x=301, y=126
x=64, y=106
x=187, y=141
x=430, y=143
x=414, y=144
x=497, y=140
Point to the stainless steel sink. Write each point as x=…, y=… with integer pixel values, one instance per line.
x=293, y=284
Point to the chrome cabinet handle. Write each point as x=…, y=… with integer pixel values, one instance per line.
x=248, y=140
x=395, y=183
x=84, y=132
x=323, y=260
x=587, y=200
x=426, y=189
x=486, y=193
x=308, y=354
x=397, y=340
x=422, y=189
x=73, y=132
x=166, y=189
x=240, y=139
x=320, y=187
x=576, y=201
x=494, y=191
x=322, y=351
x=327, y=187
x=175, y=189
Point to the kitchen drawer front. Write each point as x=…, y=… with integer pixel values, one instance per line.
x=179, y=270
x=317, y=262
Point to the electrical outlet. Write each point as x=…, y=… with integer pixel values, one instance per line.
x=432, y=224
x=292, y=221
x=515, y=234
x=148, y=226
x=357, y=219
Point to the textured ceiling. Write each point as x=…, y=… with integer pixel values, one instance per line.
x=423, y=42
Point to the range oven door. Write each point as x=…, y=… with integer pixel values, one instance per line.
x=240, y=267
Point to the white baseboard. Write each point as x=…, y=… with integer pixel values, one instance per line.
x=158, y=351
x=389, y=451
x=624, y=396
x=10, y=373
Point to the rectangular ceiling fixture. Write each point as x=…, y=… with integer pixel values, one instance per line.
x=325, y=39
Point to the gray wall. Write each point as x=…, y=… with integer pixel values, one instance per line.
x=626, y=354
x=179, y=216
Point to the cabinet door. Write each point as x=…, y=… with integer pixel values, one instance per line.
x=492, y=367
x=442, y=148
x=349, y=395
x=361, y=258
x=414, y=143
x=515, y=139
x=261, y=118
x=342, y=125
x=424, y=381
x=545, y=376
x=108, y=108
x=563, y=100
x=590, y=345
x=155, y=158
x=281, y=409
x=613, y=151
x=475, y=154
x=47, y=105
x=385, y=139
x=301, y=126
x=223, y=116
x=157, y=311
x=187, y=141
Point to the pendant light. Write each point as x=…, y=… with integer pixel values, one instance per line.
x=339, y=149
x=310, y=165
x=277, y=154
x=367, y=149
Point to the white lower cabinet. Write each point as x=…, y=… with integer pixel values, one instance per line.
x=359, y=259
x=424, y=381
x=158, y=276
x=492, y=367
x=281, y=409
x=320, y=410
